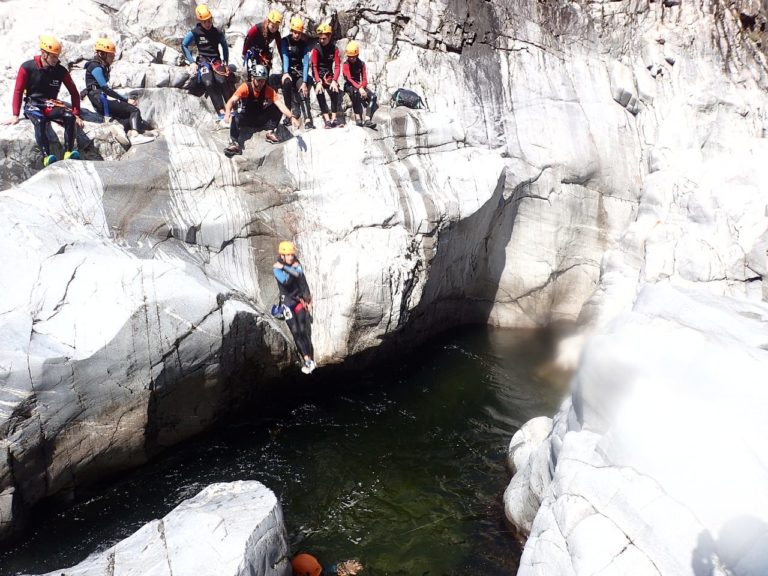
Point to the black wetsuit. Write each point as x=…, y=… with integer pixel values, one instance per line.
x=256, y=110
x=296, y=64
x=356, y=77
x=39, y=86
x=118, y=108
x=257, y=40
x=295, y=295
x=208, y=60
x=325, y=65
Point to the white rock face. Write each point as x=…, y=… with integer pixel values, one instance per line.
x=658, y=465
x=571, y=155
x=227, y=529
x=528, y=458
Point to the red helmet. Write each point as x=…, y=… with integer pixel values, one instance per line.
x=305, y=565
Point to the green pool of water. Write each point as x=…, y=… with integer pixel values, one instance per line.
x=403, y=468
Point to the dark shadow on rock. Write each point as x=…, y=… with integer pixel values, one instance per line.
x=90, y=116
x=465, y=272
x=740, y=550
x=184, y=402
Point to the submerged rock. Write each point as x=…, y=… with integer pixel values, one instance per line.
x=232, y=529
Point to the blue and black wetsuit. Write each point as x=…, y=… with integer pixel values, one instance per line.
x=209, y=61
x=295, y=294
x=296, y=64
x=99, y=93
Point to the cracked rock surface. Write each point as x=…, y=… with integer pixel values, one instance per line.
x=228, y=529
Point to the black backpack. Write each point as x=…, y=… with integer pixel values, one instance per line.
x=408, y=98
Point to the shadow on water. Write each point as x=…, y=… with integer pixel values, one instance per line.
x=403, y=469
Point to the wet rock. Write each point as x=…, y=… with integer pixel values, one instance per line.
x=227, y=529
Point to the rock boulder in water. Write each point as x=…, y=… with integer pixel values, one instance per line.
x=232, y=529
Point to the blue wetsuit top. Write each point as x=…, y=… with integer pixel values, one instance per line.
x=292, y=284
x=287, y=272
x=97, y=76
x=295, y=52
x=197, y=35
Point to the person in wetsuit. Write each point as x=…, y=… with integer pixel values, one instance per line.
x=295, y=50
x=256, y=47
x=326, y=69
x=210, y=64
x=261, y=108
x=356, y=85
x=105, y=100
x=307, y=565
x=37, y=84
x=296, y=301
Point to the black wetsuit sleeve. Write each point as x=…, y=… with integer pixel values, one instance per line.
x=305, y=293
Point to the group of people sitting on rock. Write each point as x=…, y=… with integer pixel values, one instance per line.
x=308, y=64
x=37, y=87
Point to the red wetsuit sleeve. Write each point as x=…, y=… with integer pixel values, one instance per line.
x=363, y=76
x=73, y=93
x=249, y=38
x=336, y=65
x=313, y=59
x=18, y=91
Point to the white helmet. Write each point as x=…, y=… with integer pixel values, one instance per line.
x=258, y=72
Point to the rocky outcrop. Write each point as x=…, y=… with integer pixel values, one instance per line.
x=141, y=295
x=568, y=148
x=227, y=529
x=657, y=465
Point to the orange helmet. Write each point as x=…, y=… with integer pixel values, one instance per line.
x=352, y=49
x=297, y=24
x=324, y=29
x=105, y=45
x=285, y=248
x=203, y=13
x=275, y=17
x=50, y=44
x=305, y=565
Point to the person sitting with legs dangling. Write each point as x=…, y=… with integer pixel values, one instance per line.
x=210, y=66
x=260, y=107
x=105, y=100
x=295, y=50
x=326, y=69
x=37, y=84
x=356, y=85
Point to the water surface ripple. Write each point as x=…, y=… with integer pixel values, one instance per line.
x=403, y=469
